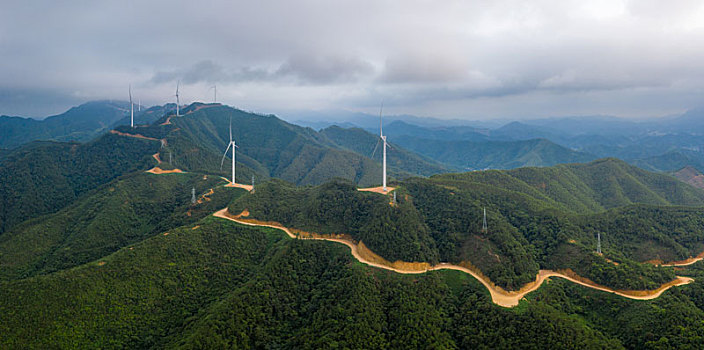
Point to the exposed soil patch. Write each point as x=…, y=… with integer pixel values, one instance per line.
x=159, y=171
x=138, y=136
x=379, y=189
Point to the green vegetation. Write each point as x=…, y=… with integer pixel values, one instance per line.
x=538, y=218
x=362, y=142
x=120, y=213
x=136, y=297
x=227, y=285
x=267, y=145
x=43, y=177
x=94, y=267
x=472, y=155
x=397, y=233
x=270, y=147
x=675, y=320
x=80, y=123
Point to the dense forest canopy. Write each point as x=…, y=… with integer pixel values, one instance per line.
x=95, y=253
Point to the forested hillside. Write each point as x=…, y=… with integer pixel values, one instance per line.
x=531, y=226
x=99, y=254
x=117, y=214
x=227, y=285
x=43, y=177
x=471, y=155
x=364, y=143
x=271, y=147
x=80, y=123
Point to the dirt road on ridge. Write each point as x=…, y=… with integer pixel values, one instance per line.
x=498, y=295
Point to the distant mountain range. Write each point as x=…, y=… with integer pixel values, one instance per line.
x=81, y=123
x=96, y=253
x=423, y=146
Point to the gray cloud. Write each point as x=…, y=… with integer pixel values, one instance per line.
x=449, y=59
x=325, y=69
x=300, y=69
x=22, y=102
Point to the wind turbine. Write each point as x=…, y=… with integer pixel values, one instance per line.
x=131, y=108
x=382, y=138
x=215, y=93
x=233, y=145
x=177, y=101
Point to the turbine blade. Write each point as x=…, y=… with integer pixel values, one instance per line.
x=375, y=147
x=230, y=128
x=225, y=154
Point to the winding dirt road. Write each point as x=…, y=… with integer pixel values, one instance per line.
x=686, y=262
x=498, y=295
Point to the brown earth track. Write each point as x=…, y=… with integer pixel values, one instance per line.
x=138, y=136
x=498, y=295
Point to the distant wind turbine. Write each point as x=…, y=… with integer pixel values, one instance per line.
x=233, y=145
x=177, y=101
x=215, y=93
x=382, y=138
x=131, y=108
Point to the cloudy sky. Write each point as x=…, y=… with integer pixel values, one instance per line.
x=447, y=59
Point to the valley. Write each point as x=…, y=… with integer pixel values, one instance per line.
x=132, y=240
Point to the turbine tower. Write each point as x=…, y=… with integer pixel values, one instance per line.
x=177, y=101
x=598, y=242
x=215, y=93
x=131, y=108
x=484, y=225
x=382, y=138
x=233, y=145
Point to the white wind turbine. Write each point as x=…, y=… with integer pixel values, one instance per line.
x=382, y=138
x=215, y=93
x=233, y=145
x=177, y=101
x=131, y=108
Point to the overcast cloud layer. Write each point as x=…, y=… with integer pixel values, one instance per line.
x=448, y=59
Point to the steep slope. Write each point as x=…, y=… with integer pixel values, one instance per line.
x=590, y=187
x=228, y=286
x=363, y=143
x=399, y=129
x=43, y=177
x=267, y=145
x=468, y=155
x=117, y=214
x=690, y=176
x=80, y=123
x=532, y=224
x=671, y=161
